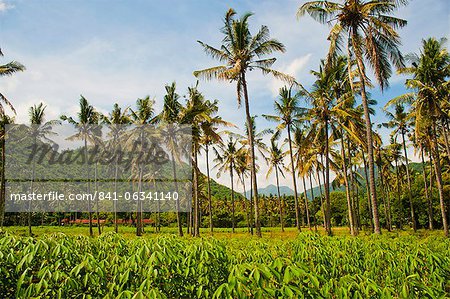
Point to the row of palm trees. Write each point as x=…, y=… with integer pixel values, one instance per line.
x=363, y=36
x=330, y=133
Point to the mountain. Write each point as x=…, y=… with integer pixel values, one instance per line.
x=272, y=189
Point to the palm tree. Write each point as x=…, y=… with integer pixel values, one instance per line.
x=8, y=70
x=39, y=130
x=141, y=117
x=370, y=31
x=288, y=116
x=400, y=121
x=227, y=158
x=87, y=117
x=171, y=115
x=210, y=137
x=197, y=113
x=430, y=71
x=275, y=161
x=242, y=169
x=116, y=121
x=242, y=52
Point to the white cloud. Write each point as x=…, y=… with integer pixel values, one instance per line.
x=294, y=68
x=5, y=6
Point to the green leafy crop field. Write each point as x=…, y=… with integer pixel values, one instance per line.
x=308, y=266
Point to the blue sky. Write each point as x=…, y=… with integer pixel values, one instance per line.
x=118, y=51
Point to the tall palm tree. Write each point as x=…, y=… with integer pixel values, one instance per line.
x=430, y=72
x=240, y=53
x=143, y=115
x=117, y=119
x=38, y=131
x=288, y=116
x=87, y=117
x=370, y=31
x=400, y=121
x=227, y=158
x=171, y=114
x=197, y=112
x=210, y=137
x=275, y=162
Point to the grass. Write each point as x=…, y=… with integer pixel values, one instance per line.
x=290, y=233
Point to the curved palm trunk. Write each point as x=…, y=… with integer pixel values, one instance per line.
x=308, y=221
x=209, y=190
x=408, y=177
x=440, y=185
x=252, y=156
x=280, y=204
x=297, y=216
x=372, y=188
x=427, y=197
x=353, y=227
x=327, y=181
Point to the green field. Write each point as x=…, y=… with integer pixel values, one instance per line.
x=280, y=265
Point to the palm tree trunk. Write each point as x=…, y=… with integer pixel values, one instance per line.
x=445, y=134
x=327, y=181
x=211, y=228
x=280, y=204
x=232, y=197
x=297, y=216
x=97, y=214
x=174, y=174
x=196, y=224
x=372, y=188
x=369, y=205
x=91, y=233
x=322, y=206
x=408, y=177
x=353, y=227
x=30, y=233
x=427, y=197
x=383, y=198
x=138, y=211
x=440, y=185
x=116, y=176
x=308, y=221
x=2, y=183
x=252, y=156
x=312, y=196
x=247, y=212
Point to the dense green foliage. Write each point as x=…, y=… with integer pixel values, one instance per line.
x=311, y=266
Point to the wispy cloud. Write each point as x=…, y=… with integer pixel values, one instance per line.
x=294, y=68
x=4, y=6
